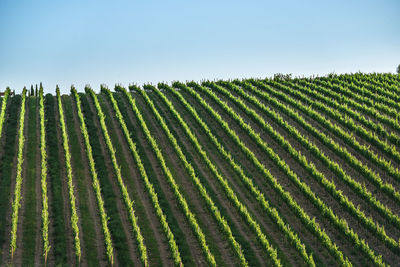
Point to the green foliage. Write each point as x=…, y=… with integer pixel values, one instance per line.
x=3, y=109
x=18, y=180
x=349, y=123
x=71, y=194
x=43, y=154
x=56, y=183
x=149, y=186
x=127, y=199
x=87, y=221
x=96, y=183
x=30, y=215
x=356, y=186
x=286, y=195
x=6, y=160
x=230, y=193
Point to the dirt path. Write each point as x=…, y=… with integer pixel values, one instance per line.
x=94, y=212
x=315, y=186
x=321, y=166
x=361, y=140
x=83, y=259
x=133, y=252
x=339, y=209
x=170, y=197
x=20, y=231
x=6, y=246
x=140, y=190
x=273, y=196
x=273, y=233
x=375, y=243
x=67, y=206
x=39, y=237
x=204, y=216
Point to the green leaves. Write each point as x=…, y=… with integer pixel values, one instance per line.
x=96, y=184
x=231, y=194
x=18, y=180
x=149, y=186
x=3, y=109
x=43, y=174
x=74, y=215
x=127, y=200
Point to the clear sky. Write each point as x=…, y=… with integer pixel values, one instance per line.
x=92, y=42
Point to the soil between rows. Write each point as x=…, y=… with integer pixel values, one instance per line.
x=6, y=257
x=188, y=189
x=340, y=210
x=194, y=249
x=160, y=254
x=270, y=194
x=127, y=228
x=91, y=198
x=304, y=202
x=321, y=166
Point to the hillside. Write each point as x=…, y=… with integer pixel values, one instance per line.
x=283, y=171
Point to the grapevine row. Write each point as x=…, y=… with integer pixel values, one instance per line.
x=346, y=137
x=222, y=222
x=357, y=187
x=368, y=135
x=190, y=216
x=43, y=181
x=127, y=200
x=337, y=86
x=345, y=102
x=309, y=166
x=389, y=83
x=212, y=167
x=96, y=184
x=311, y=223
x=149, y=186
x=339, y=223
x=3, y=109
x=18, y=180
x=387, y=97
x=375, y=177
x=362, y=102
x=272, y=212
x=72, y=199
x=361, y=94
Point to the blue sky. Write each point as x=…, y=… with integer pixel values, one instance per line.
x=93, y=42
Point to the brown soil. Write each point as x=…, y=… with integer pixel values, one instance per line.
x=39, y=240
x=362, y=141
x=354, y=197
x=391, y=230
x=83, y=260
x=94, y=211
x=363, y=233
x=358, y=176
x=140, y=190
x=244, y=195
x=134, y=253
x=6, y=257
x=188, y=188
x=191, y=240
x=18, y=251
x=282, y=178
x=67, y=206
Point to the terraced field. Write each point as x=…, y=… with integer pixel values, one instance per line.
x=282, y=171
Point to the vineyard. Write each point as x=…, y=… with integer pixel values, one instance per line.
x=255, y=172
